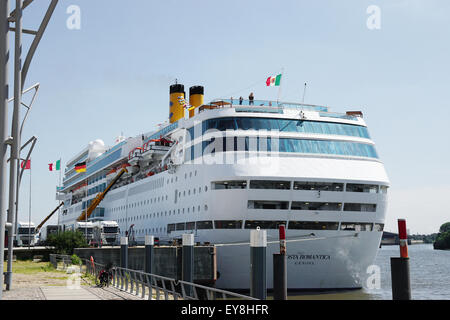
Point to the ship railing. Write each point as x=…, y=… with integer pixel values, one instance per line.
x=149, y=286
x=268, y=103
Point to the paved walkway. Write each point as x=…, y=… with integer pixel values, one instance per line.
x=67, y=293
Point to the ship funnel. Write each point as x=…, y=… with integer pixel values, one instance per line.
x=195, y=99
x=177, y=102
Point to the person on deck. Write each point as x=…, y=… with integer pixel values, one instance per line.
x=251, y=98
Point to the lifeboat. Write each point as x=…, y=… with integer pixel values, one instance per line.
x=81, y=189
x=155, y=148
x=134, y=156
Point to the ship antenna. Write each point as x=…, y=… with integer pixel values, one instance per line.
x=304, y=91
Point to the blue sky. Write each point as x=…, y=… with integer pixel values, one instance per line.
x=112, y=76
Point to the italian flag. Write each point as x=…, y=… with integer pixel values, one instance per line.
x=273, y=81
x=55, y=166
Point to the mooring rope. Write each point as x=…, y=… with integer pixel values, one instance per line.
x=296, y=239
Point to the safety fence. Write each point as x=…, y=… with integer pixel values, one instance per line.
x=153, y=287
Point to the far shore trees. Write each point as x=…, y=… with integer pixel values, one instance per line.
x=443, y=238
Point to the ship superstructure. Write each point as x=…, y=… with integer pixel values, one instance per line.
x=220, y=169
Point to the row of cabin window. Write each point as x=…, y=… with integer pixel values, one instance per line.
x=299, y=185
x=282, y=125
x=306, y=205
x=290, y=145
x=158, y=214
x=264, y=224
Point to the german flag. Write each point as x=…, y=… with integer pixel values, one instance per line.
x=80, y=167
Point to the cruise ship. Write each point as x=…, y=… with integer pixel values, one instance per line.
x=221, y=169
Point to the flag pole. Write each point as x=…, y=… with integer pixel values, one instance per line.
x=279, y=87
x=304, y=90
x=29, y=211
x=57, y=191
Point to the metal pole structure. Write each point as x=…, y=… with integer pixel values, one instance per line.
x=280, y=268
x=14, y=140
x=401, y=284
x=15, y=133
x=4, y=59
x=188, y=260
x=149, y=243
x=124, y=252
x=258, y=282
x=29, y=212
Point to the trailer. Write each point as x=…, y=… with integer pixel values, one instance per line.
x=25, y=234
x=105, y=233
x=86, y=228
x=45, y=232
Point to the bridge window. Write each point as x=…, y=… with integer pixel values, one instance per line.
x=368, y=188
x=238, y=184
x=318, y=186
x=180, y=226
x=329, y=206
x=364, y=207
x=356, y=226
x=378, y=227
x=313, y=225
x=253, y=224
x=384, y=189
x=228, y=224
x=204, y=225
x=268, y=184
x=190, y=225
x=170, y=227
x=260, y=204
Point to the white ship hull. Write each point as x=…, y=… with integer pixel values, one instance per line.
x=342, y=226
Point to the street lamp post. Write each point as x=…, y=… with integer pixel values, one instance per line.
x=14, y=141
x=4, y=59
x=15, y=133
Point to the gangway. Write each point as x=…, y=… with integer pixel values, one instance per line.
x=48, y=217
x=96, y=201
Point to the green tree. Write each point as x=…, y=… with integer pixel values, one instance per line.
x=443, y=238
x=65, y=242
x=445, y=227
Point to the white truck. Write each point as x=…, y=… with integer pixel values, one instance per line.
x=25, y=234
x=86, y=228
x=105, y=233
x=45, y=232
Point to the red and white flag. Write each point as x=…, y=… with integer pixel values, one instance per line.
x=27, y=165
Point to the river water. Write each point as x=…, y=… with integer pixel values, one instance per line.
x=429, y=273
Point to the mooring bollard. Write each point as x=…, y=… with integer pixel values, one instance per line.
x=401, y=284
x=280, y=268
x=124, y=252
x=258, y=245
x=188, y=260
x=149, y=242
